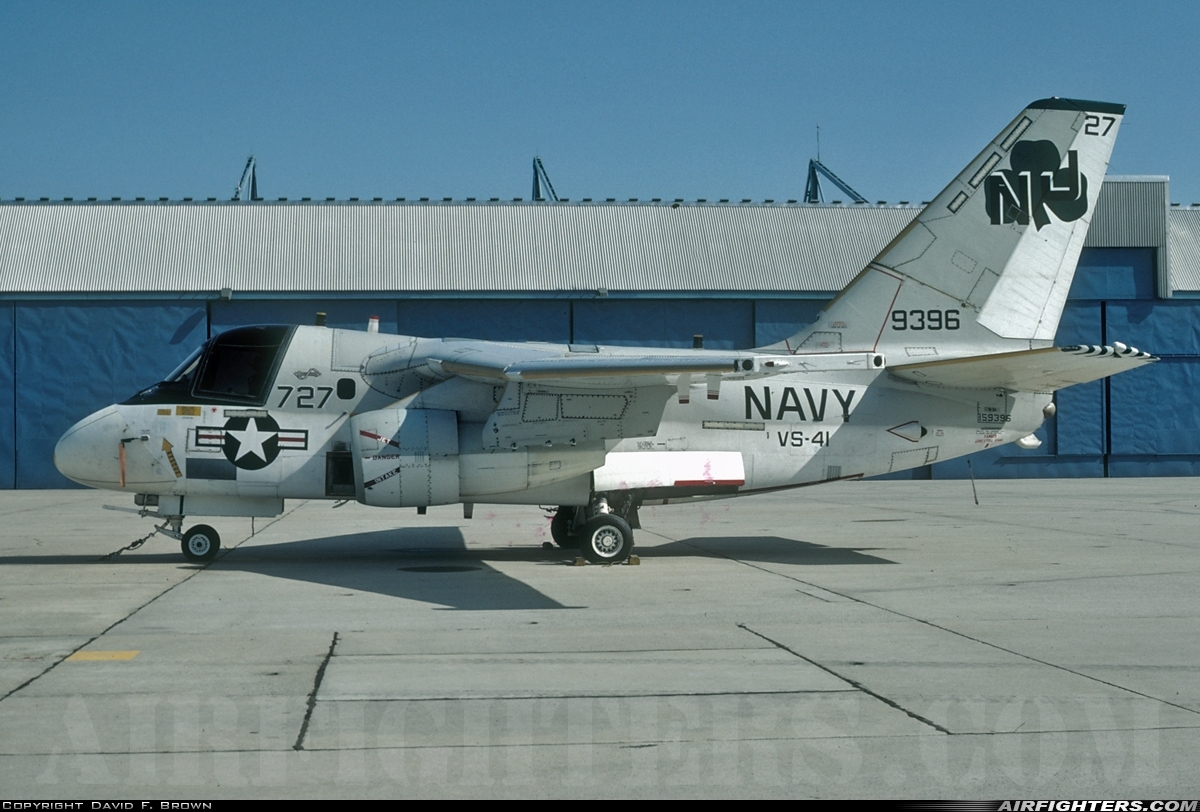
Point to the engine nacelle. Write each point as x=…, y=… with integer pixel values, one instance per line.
x=405, y=457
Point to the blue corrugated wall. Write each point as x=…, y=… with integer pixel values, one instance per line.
x=1138, y=423
x=488, y=319
x=665, y=322
x=1152, y=414
x=59, y=361
x=71, y=358
x=349, y=314
x=8, y=397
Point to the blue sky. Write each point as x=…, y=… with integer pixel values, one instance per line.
x=652, y=99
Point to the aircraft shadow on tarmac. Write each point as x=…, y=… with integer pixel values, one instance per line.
x=764, y=550
x=428, y=564
x=434, y=564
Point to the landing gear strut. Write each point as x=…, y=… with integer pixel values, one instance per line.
x=199, y=544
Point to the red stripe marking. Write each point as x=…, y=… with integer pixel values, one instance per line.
x=373, y=436
x=689, y=483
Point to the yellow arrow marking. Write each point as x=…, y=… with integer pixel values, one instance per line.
x=171, y=458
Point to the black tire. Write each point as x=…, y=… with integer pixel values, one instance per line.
x=607, y=539
x=560, y=529
x=200, y=544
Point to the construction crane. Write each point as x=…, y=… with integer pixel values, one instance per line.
x=248, y=174
x=812, y=189
x=540, y=179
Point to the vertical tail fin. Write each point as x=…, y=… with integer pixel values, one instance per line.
x=987, y=265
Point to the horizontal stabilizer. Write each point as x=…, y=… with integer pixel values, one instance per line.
x=1044, y=370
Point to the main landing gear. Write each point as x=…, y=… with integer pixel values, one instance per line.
x=600, y=535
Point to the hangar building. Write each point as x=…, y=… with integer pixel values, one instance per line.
x=99, y=299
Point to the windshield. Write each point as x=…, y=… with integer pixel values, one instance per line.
x=236, y=366
x=240, y=364
x=185, y=372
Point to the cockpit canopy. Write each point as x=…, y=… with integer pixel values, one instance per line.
x=236, y=366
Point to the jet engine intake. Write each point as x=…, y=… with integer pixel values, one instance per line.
x=405, y=457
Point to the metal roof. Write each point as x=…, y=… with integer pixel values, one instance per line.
x=1131, y=212
x=1185, y=249
x=494, y=247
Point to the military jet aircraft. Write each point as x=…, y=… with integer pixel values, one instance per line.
x=941, y=346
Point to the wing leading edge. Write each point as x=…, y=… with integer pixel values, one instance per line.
x=1043, y=370
x=606, y=368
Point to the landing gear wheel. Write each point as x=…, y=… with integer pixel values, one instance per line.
x=560, y=529
x=607, y=539
x=200, y=544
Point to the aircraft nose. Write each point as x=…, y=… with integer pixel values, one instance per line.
x=89, y=452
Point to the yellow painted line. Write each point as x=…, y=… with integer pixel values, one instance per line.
x=94, y=656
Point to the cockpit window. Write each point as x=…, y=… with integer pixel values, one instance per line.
x=237, y=366
x=239, y=363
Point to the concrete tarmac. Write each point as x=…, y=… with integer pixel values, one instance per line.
x=871, y=639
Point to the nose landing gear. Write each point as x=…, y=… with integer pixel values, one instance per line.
x=200, y=544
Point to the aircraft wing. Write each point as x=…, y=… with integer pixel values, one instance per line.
x=587, y=396
x=1044, y=370
x=579, y=369
x=546, y=394
x=603, y=368
x=578, y=398
x=587, y=367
